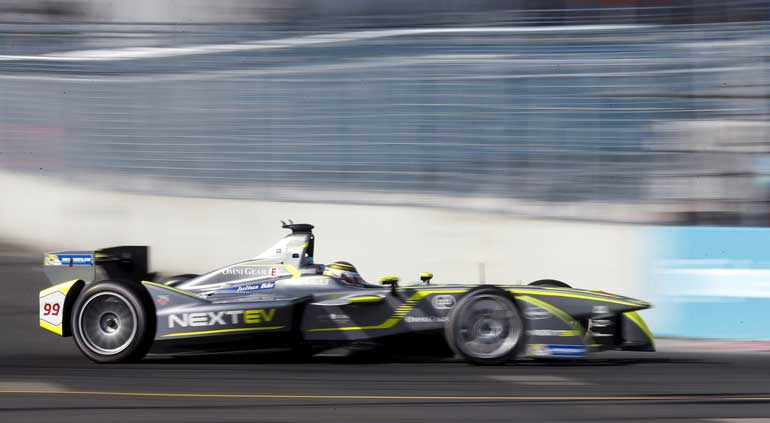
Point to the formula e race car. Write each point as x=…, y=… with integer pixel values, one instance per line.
x=282, y=299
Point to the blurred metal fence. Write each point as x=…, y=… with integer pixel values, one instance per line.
x=598, y=114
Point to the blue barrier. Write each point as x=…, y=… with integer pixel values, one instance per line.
x=711, y=282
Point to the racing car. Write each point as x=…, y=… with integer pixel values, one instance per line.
x=109, y=303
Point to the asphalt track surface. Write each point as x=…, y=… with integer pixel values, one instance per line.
x=44, y=378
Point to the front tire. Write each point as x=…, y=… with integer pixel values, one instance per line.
x=113, y=322
x=486, y=327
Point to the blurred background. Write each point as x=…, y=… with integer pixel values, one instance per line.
x=635, y=111
x=583, y=140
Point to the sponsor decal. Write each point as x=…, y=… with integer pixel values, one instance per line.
x=51, y=307
x=426, y=319
x=444, y=302
x=251, y=271
x=254, y=287
x=221, y=318
x=552, y=332
x=162, y=300
x=555, y=350
x=600, y=309
x=69, y=260
x=535, y=313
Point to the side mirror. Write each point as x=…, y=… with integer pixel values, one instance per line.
x=425, y=277
x=390, y=280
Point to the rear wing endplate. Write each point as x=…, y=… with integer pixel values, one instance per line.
x=126, y=262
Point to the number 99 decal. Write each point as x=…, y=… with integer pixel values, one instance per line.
x=51, y=307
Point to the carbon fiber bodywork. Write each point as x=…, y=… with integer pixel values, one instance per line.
x=281, y=299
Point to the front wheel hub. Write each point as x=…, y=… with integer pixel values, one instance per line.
x=489, y=327
x=108, y=323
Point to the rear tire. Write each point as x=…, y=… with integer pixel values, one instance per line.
x=486, y=327
x=113, y=322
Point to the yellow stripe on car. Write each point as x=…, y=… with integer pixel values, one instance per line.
x=366, y=299
x=59, y=330
x=568, y=293
x=400, y=312
x=638, y=321
x=412, y=301
x=171, y=288
x=541, y=292
x=561, y=314
x=211, y=332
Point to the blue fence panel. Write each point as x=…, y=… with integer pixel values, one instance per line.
x=711, y=282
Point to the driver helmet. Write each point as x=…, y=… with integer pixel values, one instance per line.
x=344, y=271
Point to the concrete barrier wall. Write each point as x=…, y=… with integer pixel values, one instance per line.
x=197, y=234
x=704, y=282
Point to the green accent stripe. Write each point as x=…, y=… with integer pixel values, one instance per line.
x=638, y=321
x=170, y=288
x=561, y=314
x=217, y=331
x=549, y=293
x=59, y=330
x=397, y=315
x=63, y=287
x=412, y=301
x=562, y=292
x=365, y=299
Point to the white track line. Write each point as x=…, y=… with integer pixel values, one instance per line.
x=135, y=53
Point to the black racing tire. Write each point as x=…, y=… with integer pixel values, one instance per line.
x=113, y=322
x=551, y=283
x=177, y=279
x=486, y=327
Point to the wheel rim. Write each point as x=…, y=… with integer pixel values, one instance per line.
x=107, y=323
x=490, y=327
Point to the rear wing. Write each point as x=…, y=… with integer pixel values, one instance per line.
x=126, y=262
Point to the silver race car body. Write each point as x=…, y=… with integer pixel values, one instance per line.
x=282, y=299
